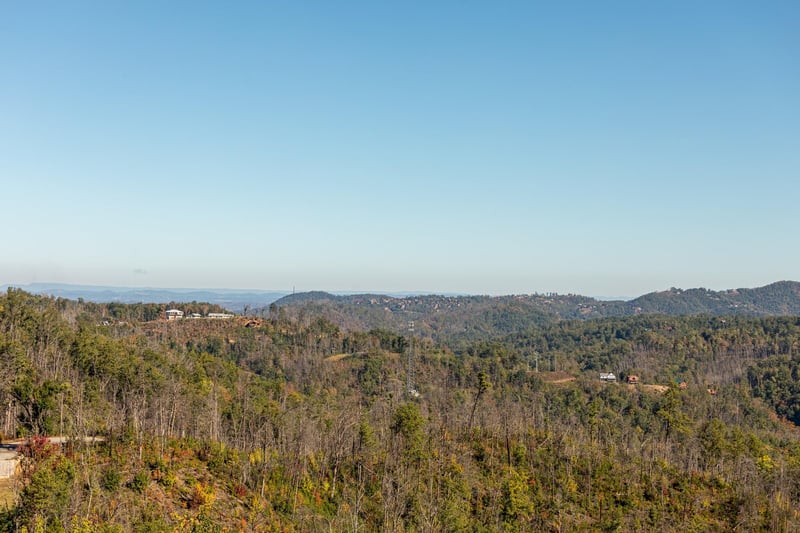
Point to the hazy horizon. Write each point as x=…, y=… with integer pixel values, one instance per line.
x=396, y=293
x=374, y=290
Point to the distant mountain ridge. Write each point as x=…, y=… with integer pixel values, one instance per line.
x=234, y=299
x=451, y=314
x=237, y=300
x=780, y=298
x=474, y=316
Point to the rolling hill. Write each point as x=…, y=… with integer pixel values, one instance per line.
x=469, y=317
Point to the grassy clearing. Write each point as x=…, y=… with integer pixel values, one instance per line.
x=6, y=493
x=337, y=357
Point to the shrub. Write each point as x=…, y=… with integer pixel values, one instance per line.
x=111, y=479
x=140, y=481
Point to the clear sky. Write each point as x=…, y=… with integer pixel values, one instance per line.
x=602, y=148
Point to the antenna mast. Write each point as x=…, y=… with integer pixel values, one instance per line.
x=410, y=362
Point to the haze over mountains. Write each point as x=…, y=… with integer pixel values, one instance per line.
x=394, y=310
x=233, y=299
x=780, y=298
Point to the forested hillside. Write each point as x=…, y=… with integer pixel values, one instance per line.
x=781, y=298
x=297, y=424
x=451, y=318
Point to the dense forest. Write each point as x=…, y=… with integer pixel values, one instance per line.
x=295, y=423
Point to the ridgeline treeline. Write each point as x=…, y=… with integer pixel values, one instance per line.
x=297, y=425
x=449, y=319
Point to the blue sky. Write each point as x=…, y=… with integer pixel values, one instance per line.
x=601, y=148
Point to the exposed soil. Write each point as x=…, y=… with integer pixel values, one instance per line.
x=556, y=377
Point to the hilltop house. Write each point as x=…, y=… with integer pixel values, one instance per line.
x=608, y=376
x=173, y=314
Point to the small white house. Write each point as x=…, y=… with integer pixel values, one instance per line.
x=608, y=376
x=220, y=315
x=173, y=314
